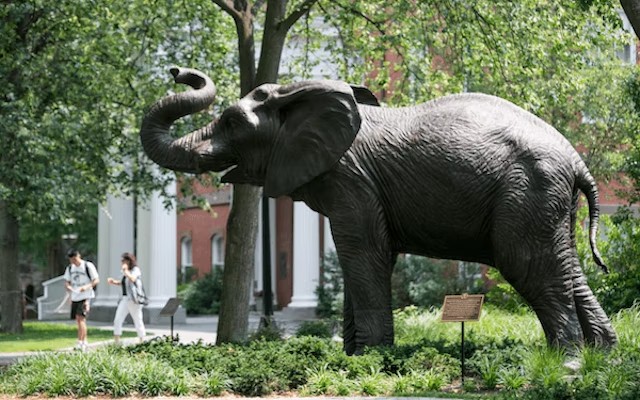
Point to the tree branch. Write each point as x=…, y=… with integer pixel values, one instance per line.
x=228, y=7
x=378, y=25
x=256, y=6
x=297, y=14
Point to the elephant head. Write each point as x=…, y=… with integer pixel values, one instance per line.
x=279, y=137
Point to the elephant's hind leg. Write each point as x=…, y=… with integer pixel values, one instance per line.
x=595, y=324
x=550, y=294
x=536, y=260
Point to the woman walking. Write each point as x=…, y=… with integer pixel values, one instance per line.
x=127, y=304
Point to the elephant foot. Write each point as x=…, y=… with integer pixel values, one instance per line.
x=601, y=335
x=369, y=328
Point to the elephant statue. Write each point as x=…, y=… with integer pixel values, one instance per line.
x=468, y=177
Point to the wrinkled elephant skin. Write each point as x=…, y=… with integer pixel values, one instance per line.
x=468, y=177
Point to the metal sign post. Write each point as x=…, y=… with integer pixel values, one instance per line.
x=461, y=308
x=170, y=309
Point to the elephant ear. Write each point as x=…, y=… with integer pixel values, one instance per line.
x=318, y=122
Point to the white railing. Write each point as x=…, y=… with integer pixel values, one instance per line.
x=55, y=302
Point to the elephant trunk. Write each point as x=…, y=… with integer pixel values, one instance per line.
x=188, y=153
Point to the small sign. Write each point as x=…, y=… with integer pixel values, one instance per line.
x=170, y=308
x=460, y=308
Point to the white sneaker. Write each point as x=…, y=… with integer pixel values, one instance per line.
x=78, y=346
x=84, y=347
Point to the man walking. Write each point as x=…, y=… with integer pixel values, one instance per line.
x=81, y=277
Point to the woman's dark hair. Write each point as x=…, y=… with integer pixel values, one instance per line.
x=130, y=259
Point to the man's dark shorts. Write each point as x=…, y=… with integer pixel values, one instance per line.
x=78, y=308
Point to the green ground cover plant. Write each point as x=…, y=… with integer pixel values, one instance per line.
x=46, y=336
x=506, y=358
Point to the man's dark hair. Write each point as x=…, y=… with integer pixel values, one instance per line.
x=72, y=253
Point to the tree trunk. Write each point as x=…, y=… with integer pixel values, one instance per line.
x=237, y=280
x=11, y=304
x=242, y=226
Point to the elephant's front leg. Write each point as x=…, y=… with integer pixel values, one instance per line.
x=367, y=261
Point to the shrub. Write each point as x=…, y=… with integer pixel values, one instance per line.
x=621, y=287
x=512, y=378
x=330, y=292
x=429, y=359
x=323, y=381
x=320, y=328
x=424, y=282
x=269, y=333
x=416, y=280
x=317, y=366
x=372, y=384
x=203, y=295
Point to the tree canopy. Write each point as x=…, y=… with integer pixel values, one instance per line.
x=75, y=84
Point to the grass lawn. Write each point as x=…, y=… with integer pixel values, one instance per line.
x=43, y=336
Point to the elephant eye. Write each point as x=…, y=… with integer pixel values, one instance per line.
x=232, y=122
x=260, y=95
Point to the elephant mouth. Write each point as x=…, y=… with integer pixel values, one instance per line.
x=238, y=175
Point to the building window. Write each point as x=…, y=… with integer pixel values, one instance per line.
x=627, y=53
x=217, y=251
x=185, y=252
x=186, y=259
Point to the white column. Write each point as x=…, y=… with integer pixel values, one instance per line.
x=306, y=259
x=115, y=236
x=257, y=263
x=329, y=244
x=104, y=294
x=156, y=250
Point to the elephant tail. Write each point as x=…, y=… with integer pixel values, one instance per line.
x=587, y=185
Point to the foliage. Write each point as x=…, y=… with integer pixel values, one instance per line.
x=75, y=81
x=267, y=332
x=203, y=295
x=621, y=250
x=319, y=328
x=330, y=292
x=632, y=161
x=555, y=59
x=75, y=100
x=516, y=367
x=503, y=295
x=424, y=282
x=416, y=281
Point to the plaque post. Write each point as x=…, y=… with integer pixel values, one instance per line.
x=169, y=310
x=461, y=308
x=462, y=354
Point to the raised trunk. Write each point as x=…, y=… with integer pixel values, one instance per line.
x=186, y=154
x=11, y=299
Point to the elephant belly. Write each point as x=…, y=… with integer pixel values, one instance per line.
x=448, y=245
x=442, y=229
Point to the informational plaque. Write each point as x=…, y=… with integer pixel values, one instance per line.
x=170, y=307
x=460, y=308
